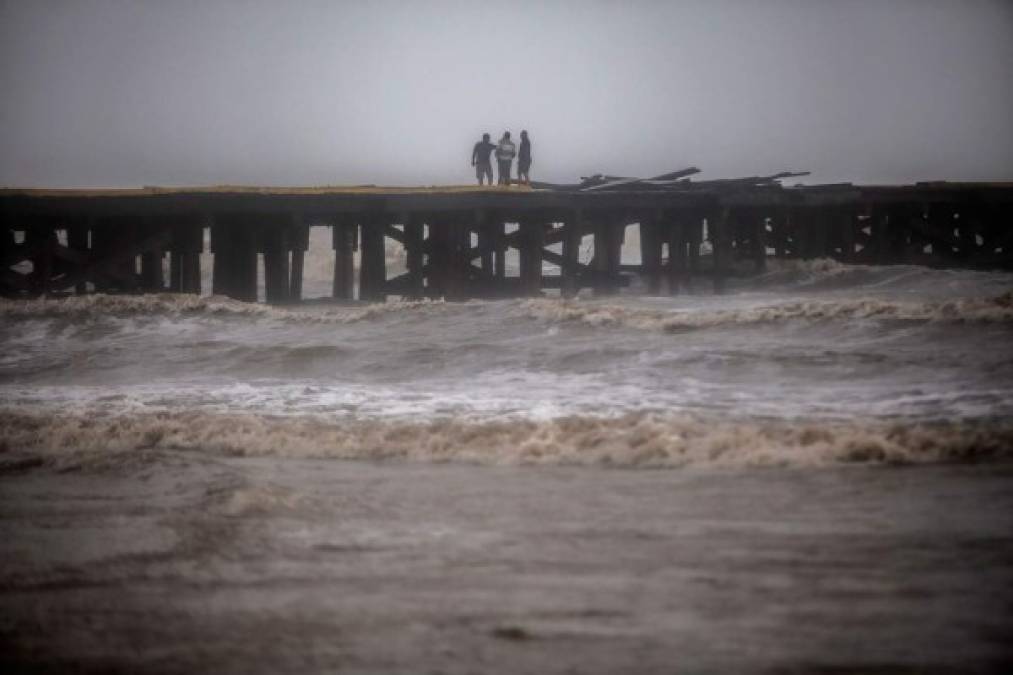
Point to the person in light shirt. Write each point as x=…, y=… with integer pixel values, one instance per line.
x=505, y=153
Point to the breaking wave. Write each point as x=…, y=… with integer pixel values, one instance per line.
x=85, y=307
x=998, y=309
x=641, y=439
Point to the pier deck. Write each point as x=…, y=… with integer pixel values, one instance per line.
x=456, y=237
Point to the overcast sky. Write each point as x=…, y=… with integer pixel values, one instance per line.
x=180, y=92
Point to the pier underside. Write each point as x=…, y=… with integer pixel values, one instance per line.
x=456, y=239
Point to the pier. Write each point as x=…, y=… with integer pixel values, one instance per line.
x=456, y=239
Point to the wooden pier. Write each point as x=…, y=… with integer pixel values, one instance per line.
x=456, y=239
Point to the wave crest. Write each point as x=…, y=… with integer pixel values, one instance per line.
x=642, y=439
x=86, y=307
x=997, y=309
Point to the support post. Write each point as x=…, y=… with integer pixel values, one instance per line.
x=276, y=269
x=298, y=243
x=678, y=264
x=151, y=261
x=372, y=271
x=718, y=225
x=600, y=262
x=694, y=234
x=44, y=237
x=486, y=241
x=572, y=231
x=414, y=243
x=191, y=246
x=760, y=242
x=847, y=220
x=221, y=250
x=650, y=251
x=531, y=243
x=77, y=240
x=101, y=245
x=456, y=238
x=344, y=243
x=245, y=239
x=499, y=247
x=234, y=244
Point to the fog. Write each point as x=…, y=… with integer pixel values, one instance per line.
x=104, y=93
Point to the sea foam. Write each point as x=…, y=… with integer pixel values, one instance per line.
x=640, y=439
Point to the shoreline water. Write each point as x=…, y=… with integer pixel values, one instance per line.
x=253, y=565
x=811, y=473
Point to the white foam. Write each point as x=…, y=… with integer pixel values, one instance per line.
x=631, y=440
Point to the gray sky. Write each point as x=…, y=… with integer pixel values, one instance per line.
x=195, y=92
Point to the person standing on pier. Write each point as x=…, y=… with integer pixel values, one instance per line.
x=480, y=159
x=505, y=152
x=524, y=160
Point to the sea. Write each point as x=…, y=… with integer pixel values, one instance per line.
x=810, y=472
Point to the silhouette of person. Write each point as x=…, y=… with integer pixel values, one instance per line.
x=524, y=160
x=480, y=159
x=505, y=152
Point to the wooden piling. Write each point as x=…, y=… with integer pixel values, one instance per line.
x=486, y=242
x=694, y=237
x=457, y=238
x=780, y=234
x=246, y=242
x=531, y=244
x=414, y=243
x=608, y=241
x=151, y=261
x=759, y=225
x=101, y=245
x=234, y=242
x=897, y=234
x=344, y=241
x=191, y=246
x=77, y=240
x=298, y=244
x=372, y=264
x=819, y=225
x=846, y=225
x=573, y=230
x=650, y=251
x=41, y=239
x=276, y=265
x=186, y=243
x=678, y=255
x=718, y=225
x=498, y=228
x=151, y=271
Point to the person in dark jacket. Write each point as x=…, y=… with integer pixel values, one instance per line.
x=505, y=153
x=480, y=159
x=524, y=159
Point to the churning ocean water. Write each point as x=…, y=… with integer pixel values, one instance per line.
x=810, y=472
